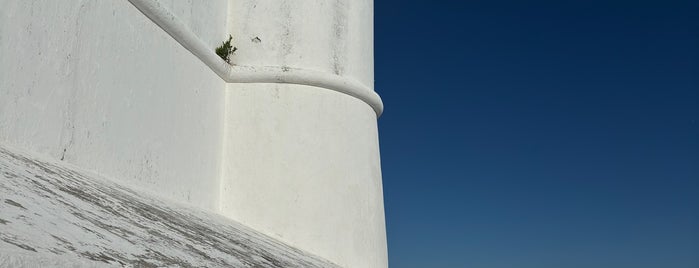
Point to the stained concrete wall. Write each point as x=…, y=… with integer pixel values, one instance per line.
x=301, y=163
x=97, y=84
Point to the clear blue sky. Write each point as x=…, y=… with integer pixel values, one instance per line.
x=540, y=134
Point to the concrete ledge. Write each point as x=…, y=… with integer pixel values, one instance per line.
x=253, y=74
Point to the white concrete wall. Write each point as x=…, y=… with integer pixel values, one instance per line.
x=302, y=163
x=97, y=84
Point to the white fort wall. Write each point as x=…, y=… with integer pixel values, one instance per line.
x=289, y=146
x=313, y=152
x=99, y=85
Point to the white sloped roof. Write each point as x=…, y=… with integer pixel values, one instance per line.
x=54, y=215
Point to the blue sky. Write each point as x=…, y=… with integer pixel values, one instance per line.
x=540, y=134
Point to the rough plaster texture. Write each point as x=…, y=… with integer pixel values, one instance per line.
x=97, y=84
x=238, y=73
x=314, y=156
x=113, y=89
x=55, y=215
x=314, y=153
x=333, y=36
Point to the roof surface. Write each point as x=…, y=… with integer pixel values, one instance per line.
x=54, y=214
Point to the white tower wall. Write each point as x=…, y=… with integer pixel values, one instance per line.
x=285, y=141
x=300, y=162
x=99, y=85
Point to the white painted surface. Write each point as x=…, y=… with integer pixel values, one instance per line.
x=56, y=215
x=300, y=163
x=123, y=98
x=99, y=80
x=328, y=79
x=334, y=36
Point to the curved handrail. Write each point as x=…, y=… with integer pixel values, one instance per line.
x=167, y=21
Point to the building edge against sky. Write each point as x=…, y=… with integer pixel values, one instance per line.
x=99, y=85
x=313, y=152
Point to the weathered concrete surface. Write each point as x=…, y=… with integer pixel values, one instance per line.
x=299, y=162
x=55, y=215
x=98, y=85
x=315, y=159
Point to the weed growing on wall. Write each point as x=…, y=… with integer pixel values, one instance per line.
x=226, y=49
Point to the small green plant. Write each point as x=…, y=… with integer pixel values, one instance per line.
x=226, y=49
